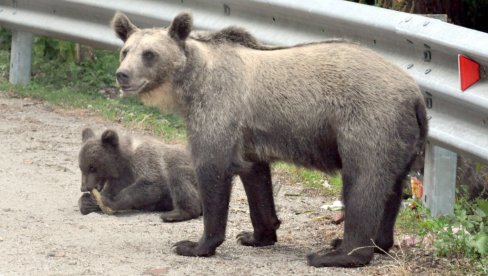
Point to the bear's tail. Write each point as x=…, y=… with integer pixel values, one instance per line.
x=422, y=121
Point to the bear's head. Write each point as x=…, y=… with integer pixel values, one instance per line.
x=149, y=58
x=100, y=159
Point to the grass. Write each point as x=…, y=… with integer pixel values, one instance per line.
x=408, y=221
x=326, y=185
x=126, y=111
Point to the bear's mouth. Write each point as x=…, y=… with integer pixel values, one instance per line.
x=130, y=90
x=101, y=185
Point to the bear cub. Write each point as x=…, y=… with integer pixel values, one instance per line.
x=138, y=173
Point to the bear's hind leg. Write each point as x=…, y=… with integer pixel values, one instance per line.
x=366, y=185
x=259, y=190
x=384, y=237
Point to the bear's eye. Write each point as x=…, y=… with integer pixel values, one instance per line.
x=124, y=53
x=148, y=55
x=92, y=169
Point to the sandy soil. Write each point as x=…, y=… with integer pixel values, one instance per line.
x=43, y=233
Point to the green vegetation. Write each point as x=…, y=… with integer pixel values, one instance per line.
x=5, y=38
x=462, y=235
x=4, y=65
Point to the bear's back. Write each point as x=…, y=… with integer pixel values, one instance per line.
x=153, y=157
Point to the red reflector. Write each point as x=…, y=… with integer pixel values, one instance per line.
x=469, y=72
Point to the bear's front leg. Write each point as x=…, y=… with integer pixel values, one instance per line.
x=143, y=193
x=215, y=186
x=87, y=204
x=108, y=202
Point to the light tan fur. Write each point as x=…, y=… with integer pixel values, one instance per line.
x=162, y=97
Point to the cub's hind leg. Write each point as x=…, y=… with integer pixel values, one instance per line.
x=184, y=194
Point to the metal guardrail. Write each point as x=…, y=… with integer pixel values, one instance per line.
x=426, y=48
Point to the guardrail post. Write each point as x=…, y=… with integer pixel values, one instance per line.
x=439, y=180
x=20, y=57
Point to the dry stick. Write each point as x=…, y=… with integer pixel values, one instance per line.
x=98, y=199
x=376, y=246
x=144, y=119
x=277, y=188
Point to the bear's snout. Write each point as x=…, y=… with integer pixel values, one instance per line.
x=122, y=77
x=84, y=188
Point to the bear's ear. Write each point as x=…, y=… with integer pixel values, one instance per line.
x=122, y=26
x=181, y=26
x=110, y=137
x=86, y=134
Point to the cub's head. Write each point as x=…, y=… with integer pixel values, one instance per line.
x=150, y=57
x=100, y=159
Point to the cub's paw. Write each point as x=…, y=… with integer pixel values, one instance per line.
x=175, y=216
x=191, y=249
x=248, y=239
x=87, y=204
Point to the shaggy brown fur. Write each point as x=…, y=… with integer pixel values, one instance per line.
x=138, y=173
x=328, y=106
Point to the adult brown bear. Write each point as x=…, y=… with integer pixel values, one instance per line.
x=328, y=106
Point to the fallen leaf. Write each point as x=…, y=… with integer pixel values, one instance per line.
x=156, y=271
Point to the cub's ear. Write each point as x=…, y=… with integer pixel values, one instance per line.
x=181, y=27
x=110, y=137
x=122, y=26
x=86, y=134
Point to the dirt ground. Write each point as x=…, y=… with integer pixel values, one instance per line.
x=43, y=233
